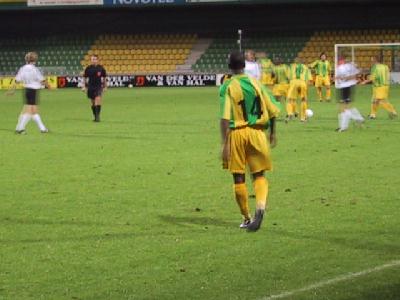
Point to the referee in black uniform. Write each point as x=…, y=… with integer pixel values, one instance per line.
x=95, y=83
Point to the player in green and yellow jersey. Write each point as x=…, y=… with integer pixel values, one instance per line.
x=322, y=68
x=380, y=78
x=300, y=76
x=266, y=68
x=246, y=109
x=280, y=74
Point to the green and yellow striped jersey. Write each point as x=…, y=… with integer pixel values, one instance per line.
x=380, y=75
x=244, y=102
x=281, y=73
x=266, y=65
x=321, y=67
x=300, y=71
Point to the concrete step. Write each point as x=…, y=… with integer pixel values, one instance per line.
x=197, y=51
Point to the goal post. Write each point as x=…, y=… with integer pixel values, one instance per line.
x=360, y=55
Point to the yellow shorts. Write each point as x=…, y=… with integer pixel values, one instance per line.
x=380, y=93
x=322, y=81
x=297, y=88
x=248, y=146
x=266, y=79
x=280, y=89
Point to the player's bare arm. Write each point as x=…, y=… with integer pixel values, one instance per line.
x=104, y=83
x=84, y=84
x=11, y=90
x=47, y=85
x=224, y=125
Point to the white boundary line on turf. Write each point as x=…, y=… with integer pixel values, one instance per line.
x=395, y=263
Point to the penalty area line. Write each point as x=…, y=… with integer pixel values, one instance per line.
x=345, y=277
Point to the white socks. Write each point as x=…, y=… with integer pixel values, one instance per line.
x=356, y=116
x=25, y=118
x=344, y=119
x=348, y=115
x=39, y=122
x=22, y=121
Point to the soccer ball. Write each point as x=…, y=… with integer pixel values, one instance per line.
x=130, y=86
x=309, y=113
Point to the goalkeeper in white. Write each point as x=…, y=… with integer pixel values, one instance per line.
x=345, y=80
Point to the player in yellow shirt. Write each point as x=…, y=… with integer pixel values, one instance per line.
x=246, y=109
x=322, y=68
x=280, y=74
x=300, y=76
x=380, y=79
x=266, y=68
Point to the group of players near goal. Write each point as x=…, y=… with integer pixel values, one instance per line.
x=250, y=98
x=290, y=82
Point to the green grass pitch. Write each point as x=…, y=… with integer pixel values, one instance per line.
x=138, y=207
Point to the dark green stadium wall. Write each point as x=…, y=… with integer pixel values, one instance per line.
x=210, y=20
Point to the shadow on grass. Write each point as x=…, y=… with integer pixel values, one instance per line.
x=88, y=120
x=112, y=135
x=351, y=240
x=75, y=239
x=384, y=291
x=72, y=222
x=8, y=130
x=132, y=231
x=196, y=220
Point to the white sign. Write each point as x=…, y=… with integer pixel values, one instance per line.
x=63, y=2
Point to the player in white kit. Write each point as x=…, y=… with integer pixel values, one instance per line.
x=346, y=79
x=252, y=68
x=32, y=79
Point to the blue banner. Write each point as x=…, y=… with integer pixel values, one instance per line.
x=142, y=2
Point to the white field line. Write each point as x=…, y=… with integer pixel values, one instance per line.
x=334, y=280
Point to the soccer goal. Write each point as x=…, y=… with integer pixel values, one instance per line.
x=360, y=55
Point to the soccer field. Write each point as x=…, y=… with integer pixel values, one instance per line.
x=138, y=207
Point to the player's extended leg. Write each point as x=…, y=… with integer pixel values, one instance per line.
x=303, y=108
x=23, y=119
x=328, y=93
x=284, y=104
x=345, y=116
x=356, y=115
x=389, y=108
x=242, y=198
x=342, y=117
x=260, y=184
x=374, y=108
x=34, y=111
x=294, y=108
x=319, y=93
x=289, y=109
x=291, y=100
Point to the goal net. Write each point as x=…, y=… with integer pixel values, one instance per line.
x=360, y=55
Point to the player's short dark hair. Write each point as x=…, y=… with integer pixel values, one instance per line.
x=236, y=60
x=94, y=55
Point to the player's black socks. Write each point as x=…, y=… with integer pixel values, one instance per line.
x=94, y=110
x=97, y=110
